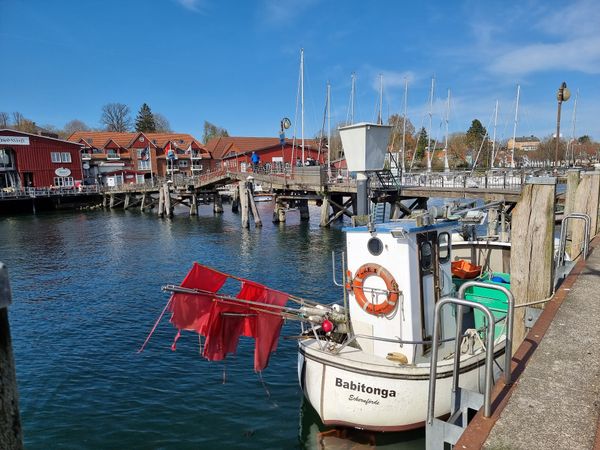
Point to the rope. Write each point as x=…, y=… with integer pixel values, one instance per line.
x=155, y=325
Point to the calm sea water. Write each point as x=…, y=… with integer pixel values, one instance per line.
x=86, y=292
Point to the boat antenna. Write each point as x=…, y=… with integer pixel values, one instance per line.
x=302, y=99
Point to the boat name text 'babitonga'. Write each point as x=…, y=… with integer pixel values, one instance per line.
x=360, y=387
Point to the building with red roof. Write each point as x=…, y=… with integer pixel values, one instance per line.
x=116, y=158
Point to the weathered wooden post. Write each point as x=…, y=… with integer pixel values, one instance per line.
x=112, y=201
x=10, y=419
x=127, y=200
x=143, y=202
x=193, y=205
x=244, y=204
x=255, y=212
x=532, y=248
x=168, y=209
x=235, y=201
x=217, y=203
x=572, y=183
x=161, y=202
x=324, y=222
x=304, y=211
x=586, y=201
x=104, y=201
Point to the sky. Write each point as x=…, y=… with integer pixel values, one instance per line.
x=237, y=63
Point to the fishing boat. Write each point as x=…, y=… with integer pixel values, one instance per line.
x=365, y=361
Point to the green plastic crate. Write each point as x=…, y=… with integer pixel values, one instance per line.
x=495, y=300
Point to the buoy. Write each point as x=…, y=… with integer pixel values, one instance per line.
x=327, y=326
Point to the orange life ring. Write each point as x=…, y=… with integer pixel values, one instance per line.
x=378, y=309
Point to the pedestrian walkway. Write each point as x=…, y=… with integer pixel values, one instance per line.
x=555, y=403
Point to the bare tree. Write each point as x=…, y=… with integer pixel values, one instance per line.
x=115, y=116
x=3, y=119
x=161, y=123
x=18, y=119
x=74, y=125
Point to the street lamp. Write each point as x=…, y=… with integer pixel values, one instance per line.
x=562, y=95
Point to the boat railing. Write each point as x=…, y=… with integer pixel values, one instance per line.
x=438, y=431
x=563, y=236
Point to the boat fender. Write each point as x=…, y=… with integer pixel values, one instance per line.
x=357, y=283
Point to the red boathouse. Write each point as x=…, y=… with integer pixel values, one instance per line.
x=30, y=160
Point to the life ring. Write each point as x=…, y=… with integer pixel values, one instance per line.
x=378, y=309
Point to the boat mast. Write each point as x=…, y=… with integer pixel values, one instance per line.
x=404, y=125
x=572, y=142
x=380, y=118
x=494, y=138
x=512, y=152
x=446, y=166
x=329, y=129
x=302, y=99
x=430, y=119
x=352, y=94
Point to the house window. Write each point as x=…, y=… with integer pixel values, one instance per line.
x=65, y=157
x=183, y=163
x=63, y=181
x=112, y=154
x=55, y=157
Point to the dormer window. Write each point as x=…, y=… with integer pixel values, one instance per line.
x=141, y=138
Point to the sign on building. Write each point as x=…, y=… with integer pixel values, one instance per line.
x=14, y=140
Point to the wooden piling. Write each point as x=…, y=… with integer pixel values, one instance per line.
x=532, y=248
x=161, y=202
x=255, y=212
x=304, y=211
x=235, y=201
x=104, y=201
x=127, y=200
x=572, y=183
x=194, y=205
x=244, y=204
x=168, y=208
x=217, y=204
x=586, y=201
x=112, y=201
x=10, y=420
x=324, y=222
x=143, y=202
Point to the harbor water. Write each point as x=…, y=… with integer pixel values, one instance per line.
x=86, y=292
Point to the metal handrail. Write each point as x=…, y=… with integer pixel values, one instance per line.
x=563, y=236
x=489, y=353
x=509, y=323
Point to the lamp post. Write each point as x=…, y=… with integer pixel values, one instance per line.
x=562, y=95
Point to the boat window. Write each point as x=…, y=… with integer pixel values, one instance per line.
x=375, y=246
x=426, y=255
x=444, y=247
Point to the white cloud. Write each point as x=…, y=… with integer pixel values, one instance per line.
x=392, y=79
x=193, y=5
x=582, y=54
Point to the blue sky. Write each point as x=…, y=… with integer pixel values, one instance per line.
x=236, y=63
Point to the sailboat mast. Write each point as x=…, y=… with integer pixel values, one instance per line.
x=446, y=166
x=302, y=99
x=572, y=143
x=430, y=119
x=329, y=128
x=512, y=152
x=404, y=125
x=380, y=118
x=494, y=138
x=352, y=94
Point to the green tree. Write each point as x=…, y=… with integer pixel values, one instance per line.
x=476, y=134
x=145, y=120
x=421, y=143
x=212, y=131
x=585, y=139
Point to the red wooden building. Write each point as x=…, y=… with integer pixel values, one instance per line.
x=30, y=160
x=235, y=153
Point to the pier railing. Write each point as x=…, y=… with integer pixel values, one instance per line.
x=35, y=192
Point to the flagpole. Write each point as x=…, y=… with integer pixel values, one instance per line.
x=150, y=159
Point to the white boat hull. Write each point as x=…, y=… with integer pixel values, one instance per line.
x=383, y=397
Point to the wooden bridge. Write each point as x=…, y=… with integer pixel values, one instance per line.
x=334, y=190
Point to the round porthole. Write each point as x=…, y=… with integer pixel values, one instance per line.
x=375, y=246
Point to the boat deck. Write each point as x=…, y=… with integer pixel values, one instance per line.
x=555, y=403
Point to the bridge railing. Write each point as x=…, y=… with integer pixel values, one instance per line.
x=34, y=192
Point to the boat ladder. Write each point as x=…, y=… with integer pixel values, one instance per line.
x=563, y=267
x=439, y=432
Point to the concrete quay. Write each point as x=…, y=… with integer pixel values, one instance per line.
x=555, y=401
